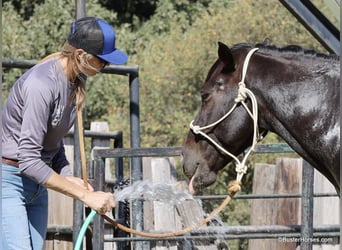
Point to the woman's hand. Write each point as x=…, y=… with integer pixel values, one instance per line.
x=102, y=202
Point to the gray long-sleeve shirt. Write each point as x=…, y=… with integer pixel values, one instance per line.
x=37, y=114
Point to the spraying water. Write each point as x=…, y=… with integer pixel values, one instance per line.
x=173, y=194
x=168, y=193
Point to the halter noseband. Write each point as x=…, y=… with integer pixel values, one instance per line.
x=243, y=94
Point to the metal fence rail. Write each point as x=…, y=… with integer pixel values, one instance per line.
x=304, y=231
x=244, y=232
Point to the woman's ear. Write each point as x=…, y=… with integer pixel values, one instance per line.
x=79, y=52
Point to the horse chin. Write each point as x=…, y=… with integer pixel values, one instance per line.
x=198, y=182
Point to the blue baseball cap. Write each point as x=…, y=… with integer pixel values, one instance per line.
x=96, y=37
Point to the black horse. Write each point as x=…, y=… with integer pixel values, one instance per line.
x=294, y=93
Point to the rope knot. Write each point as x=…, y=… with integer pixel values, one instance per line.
x=195, y=128
x=234, y=187
x=242, y=93
x=241, y=168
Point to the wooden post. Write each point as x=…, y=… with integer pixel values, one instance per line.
x=103, y=127
x=262, y=212
x=306, y=232
x=280, y=179
x=163, y=217
x=159, y=216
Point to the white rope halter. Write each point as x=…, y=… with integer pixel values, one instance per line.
x=243, y=94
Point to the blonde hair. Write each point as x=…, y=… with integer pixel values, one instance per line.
x=78, y=83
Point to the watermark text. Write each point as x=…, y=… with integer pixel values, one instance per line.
x=301, y=239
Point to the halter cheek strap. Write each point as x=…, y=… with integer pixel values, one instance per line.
x=243, y=94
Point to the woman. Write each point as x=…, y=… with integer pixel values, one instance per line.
x=40, y=109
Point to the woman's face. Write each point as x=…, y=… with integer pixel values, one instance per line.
x=89, y=64
x=97, y=63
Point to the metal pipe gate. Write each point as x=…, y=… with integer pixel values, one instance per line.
x=305, y=231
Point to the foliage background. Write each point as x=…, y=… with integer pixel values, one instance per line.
x=174, y=42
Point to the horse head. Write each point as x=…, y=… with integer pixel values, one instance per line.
x=201, y=158
x=289, y=91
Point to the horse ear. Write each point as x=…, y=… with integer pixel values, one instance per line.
x=225, y=55
x=267, y=42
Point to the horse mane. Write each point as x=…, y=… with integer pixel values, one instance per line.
x=293, y=49
x=296, y=49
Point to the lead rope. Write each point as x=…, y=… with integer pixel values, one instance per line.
x=233, y=186
x=81, y=142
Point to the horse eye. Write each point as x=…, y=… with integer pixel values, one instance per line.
x=219, y=83
x=204, y=96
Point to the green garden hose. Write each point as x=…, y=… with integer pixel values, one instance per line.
x=83, y=230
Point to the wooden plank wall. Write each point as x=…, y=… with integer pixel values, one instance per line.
x=285, y=177
x=326, y=210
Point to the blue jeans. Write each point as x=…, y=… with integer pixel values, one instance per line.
x=24, y=211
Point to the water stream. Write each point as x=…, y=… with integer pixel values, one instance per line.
x=168, y=193
x=173, y=194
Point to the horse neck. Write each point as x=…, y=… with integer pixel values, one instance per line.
x=283, y=86
x=293, y=96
